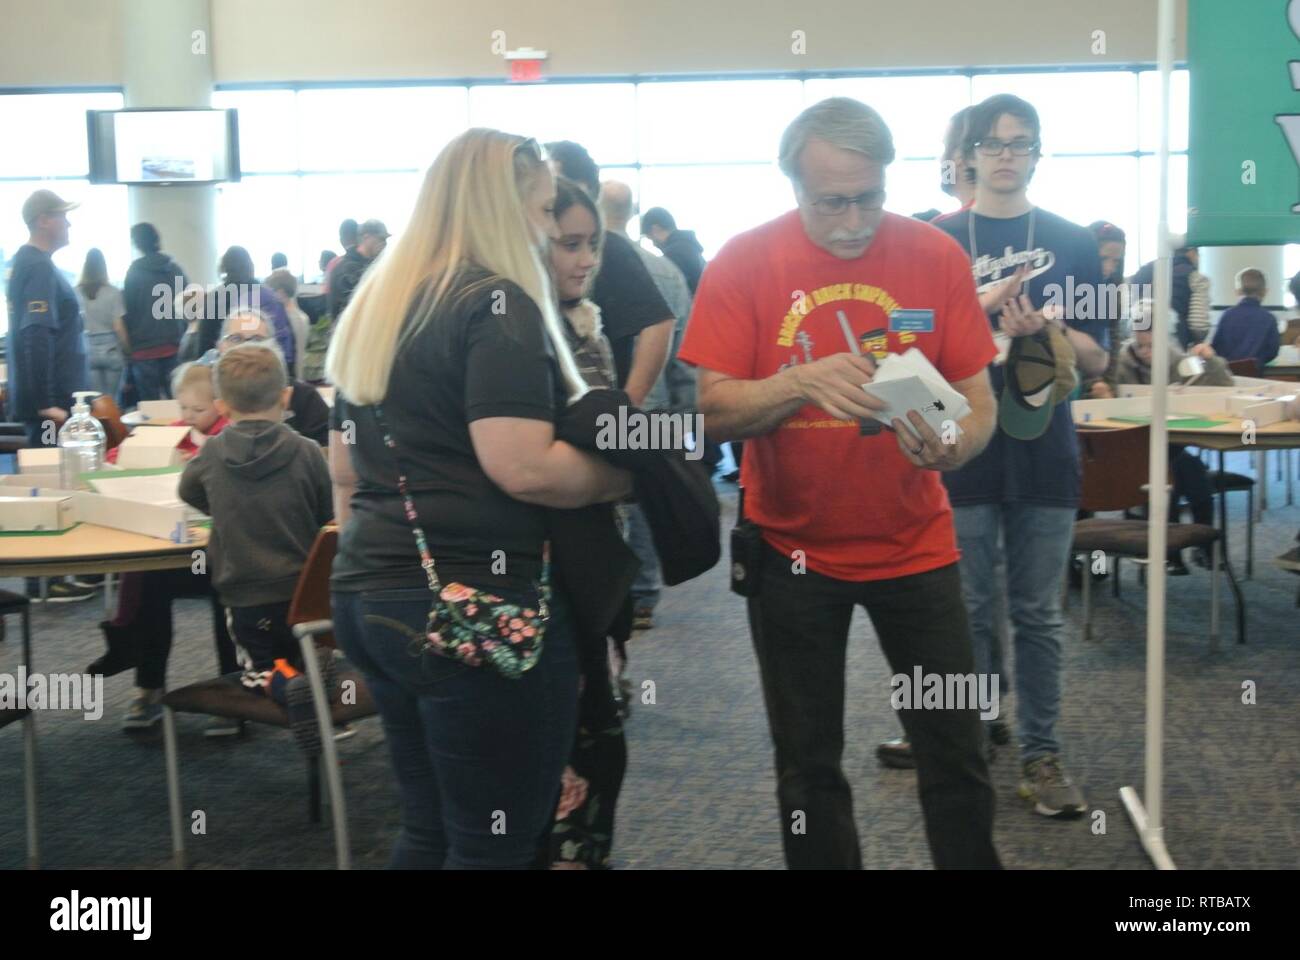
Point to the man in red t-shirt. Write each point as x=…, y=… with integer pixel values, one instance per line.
x=787, y=324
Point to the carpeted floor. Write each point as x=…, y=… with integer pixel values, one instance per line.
x=700, y=791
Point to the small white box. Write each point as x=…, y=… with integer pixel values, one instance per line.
x=155, y=447
x=36, y=513
x=39, y=460
x=160, y=411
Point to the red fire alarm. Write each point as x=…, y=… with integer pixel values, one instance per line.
x=526, y=65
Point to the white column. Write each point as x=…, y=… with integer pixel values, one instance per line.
x=167, y=62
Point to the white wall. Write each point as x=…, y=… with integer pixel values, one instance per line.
x=69, y=42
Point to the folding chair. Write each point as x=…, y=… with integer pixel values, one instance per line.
x=1115, y=477
x=17, y=603
x=226, y=697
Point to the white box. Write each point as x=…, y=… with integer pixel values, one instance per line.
x=150, y=519
x=155, y=447
x=36, y=513
x=1084, y=411
x=1262, y=412
x=160, y=410
x=39, y=460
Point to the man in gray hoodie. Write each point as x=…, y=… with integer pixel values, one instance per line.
x=268, y=492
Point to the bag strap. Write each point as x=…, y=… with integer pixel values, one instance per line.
x=740, y=486
x=421, y=542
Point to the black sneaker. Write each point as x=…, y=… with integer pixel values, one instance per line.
x=302, y=715
x=61, y=592
x=1176, y=568
x=123, y=651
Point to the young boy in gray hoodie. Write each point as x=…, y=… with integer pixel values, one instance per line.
x=268, y=492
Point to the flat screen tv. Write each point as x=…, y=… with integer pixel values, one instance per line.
x=163, y=146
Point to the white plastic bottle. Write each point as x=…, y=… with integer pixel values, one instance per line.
x=81, y=443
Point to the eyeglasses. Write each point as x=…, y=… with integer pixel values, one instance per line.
x=993, y=147
x=835, y=205
x=235, y=339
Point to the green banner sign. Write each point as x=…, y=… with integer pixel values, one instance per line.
x=1244, y=141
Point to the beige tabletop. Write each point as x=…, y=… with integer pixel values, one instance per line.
x=1283, y=435
x=88, y=548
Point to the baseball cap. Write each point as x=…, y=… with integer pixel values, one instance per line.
x=1039, y=375
x=44, y=202
x=375, y=227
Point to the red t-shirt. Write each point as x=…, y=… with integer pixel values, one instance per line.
x=856, y=507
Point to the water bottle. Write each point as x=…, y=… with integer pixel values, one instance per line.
x=81, y=443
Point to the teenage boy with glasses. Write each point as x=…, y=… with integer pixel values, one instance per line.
x=1015, y=503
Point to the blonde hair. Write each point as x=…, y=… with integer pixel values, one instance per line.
x=190, y=375
x=470, y=210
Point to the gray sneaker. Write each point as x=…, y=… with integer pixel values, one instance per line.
x=145, y=710
x=1053, y=792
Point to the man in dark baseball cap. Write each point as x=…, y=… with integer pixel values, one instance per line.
x=45, y=349
x=372, y=237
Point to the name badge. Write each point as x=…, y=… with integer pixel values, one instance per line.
x=911, y=321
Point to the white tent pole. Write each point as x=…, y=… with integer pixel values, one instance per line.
x=1148, y=820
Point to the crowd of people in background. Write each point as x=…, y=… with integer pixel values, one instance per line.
x=469, y=356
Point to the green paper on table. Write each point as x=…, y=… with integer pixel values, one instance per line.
x=39, y=533
x=1175, y=421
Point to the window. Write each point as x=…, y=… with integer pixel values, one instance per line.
x=719, y=121
x=916, y=109
x=1092, y=112
x=47, y=149
x=377, y=128
x=600, y=116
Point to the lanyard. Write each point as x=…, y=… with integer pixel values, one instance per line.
x=970, y=223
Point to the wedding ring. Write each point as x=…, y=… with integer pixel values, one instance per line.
x=917, y=451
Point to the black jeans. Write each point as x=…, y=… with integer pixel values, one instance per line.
x=262, y=635
x=1191, y=482
x=800, y=627
x=151, y=623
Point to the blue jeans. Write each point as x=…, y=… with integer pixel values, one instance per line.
x=1035, y=551
x=647, y=585
x=478, y=758
x=153, y=378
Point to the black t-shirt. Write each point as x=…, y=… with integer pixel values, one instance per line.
x=478, y=355
x=628, y=299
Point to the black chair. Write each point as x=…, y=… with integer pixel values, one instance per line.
x=17, y=603
x=1226, y=482
x=226, y=697
x=1115, y=478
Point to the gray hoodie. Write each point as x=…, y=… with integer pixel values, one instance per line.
x=268, y=492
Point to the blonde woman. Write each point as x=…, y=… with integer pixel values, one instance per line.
x=454, y=335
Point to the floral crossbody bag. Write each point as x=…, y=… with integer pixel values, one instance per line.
x=470, y=625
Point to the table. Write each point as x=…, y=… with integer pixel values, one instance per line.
x=1224, y=438
x=89, y=548
x=1281, y=371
